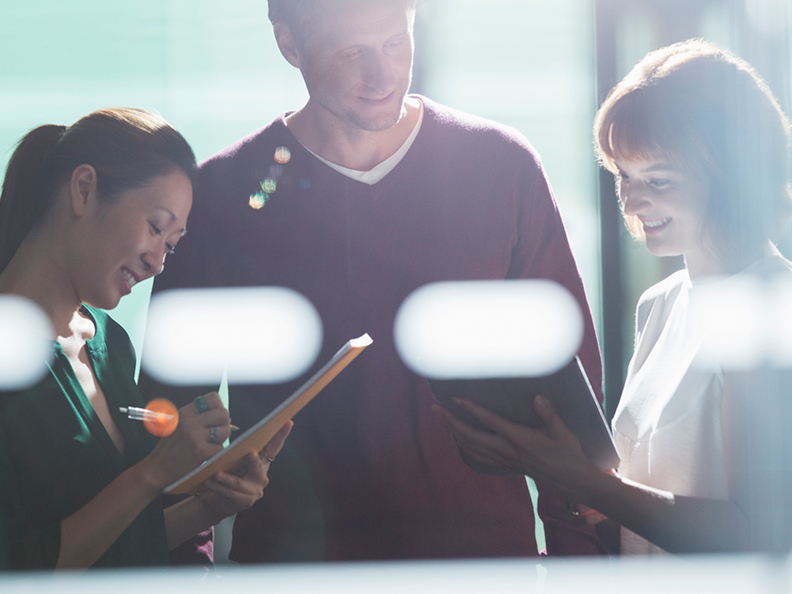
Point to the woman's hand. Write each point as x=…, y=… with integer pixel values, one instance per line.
x=199, y=435
x=226, y=494
x=551, y=453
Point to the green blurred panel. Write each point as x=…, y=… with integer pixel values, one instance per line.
x=51, y=39
x=211, y=67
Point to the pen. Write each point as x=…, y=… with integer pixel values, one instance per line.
x=144, y=414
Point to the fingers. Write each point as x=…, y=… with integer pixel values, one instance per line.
x=484, y=447
x=274, y=446
x=214, y=415
x=202, y=405
x=216, y=434
x=548, y=414
x=232, y=496
x=488, y=418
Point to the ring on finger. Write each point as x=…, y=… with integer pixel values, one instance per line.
x=213, y=435
x=200, y=404
x=270, y=460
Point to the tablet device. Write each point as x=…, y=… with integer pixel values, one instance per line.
x=568, y=390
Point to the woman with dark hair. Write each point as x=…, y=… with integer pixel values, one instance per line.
x=698, y=146
x=86, y=212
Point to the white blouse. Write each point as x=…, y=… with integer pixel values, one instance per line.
x=668, y=425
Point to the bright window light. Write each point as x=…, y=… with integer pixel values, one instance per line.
x=26, y=338
x=257, y=335
x=470, y=329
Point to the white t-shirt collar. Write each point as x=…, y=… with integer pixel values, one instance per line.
x=378, y=172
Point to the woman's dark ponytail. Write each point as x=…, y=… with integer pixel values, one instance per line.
x=22, y=202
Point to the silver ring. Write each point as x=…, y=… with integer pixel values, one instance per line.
x=213, y=435
x=267, y=457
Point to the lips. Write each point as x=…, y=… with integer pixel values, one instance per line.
x=383, y=101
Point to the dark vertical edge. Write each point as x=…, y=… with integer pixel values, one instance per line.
x=606, y=14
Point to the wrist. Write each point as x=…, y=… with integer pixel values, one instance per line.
x=596, y=487
x=149, y=477
x=211, y=512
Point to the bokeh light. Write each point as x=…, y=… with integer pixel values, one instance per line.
x=257, y=335
x=26, y=339
x=258, y=200
x=164, y=418
x=282, y=155
x=742, y=323
x=470, y=329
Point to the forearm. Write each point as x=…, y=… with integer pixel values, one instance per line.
x=89, y=532
x=676, y=524
x=188, y=518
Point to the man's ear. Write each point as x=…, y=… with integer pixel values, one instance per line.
x=82, y=188
x=287, y=44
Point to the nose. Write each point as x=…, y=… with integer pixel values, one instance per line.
x=377, y=74
x=634, y=201
x=154, y=261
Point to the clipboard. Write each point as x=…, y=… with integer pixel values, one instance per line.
x=255, y=438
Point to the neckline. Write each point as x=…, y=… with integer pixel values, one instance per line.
x=416, y=134
x=96, y=350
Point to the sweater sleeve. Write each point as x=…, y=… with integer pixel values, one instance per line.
x=543, y=251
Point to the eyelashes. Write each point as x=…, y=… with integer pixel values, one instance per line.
x=157, y=231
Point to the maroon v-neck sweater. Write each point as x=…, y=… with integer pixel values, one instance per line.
x=368, y=472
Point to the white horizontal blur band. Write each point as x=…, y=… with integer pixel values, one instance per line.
x=477, y=329
x=255, y=335
x=743, y=322
x=26, y=336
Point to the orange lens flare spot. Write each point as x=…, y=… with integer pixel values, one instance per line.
x=282, y=155
x=165, y=417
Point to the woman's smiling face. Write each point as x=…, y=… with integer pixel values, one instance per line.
x=670, y=202
x=127, y=241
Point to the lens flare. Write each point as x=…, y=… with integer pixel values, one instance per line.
x=257, y=335
x=471, y=329
x=26, y=338
x=282, y=155
x=165, y=417
x=258, y=200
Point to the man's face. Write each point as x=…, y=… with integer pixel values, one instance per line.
x=357, y=62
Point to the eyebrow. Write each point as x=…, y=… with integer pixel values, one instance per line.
x=662, y=166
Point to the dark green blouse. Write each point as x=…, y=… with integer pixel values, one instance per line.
x=55, y=456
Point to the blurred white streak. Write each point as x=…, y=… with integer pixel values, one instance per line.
x=769, y=17
x=26, y=339
x=469, y=329
x=259, y=335
x=724, y=574
x=743, y=323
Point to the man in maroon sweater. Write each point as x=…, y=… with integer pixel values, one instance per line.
x=355, y=200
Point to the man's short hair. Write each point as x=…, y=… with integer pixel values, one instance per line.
x=300, y=14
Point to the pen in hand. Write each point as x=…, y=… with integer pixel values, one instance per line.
x=144, y=414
